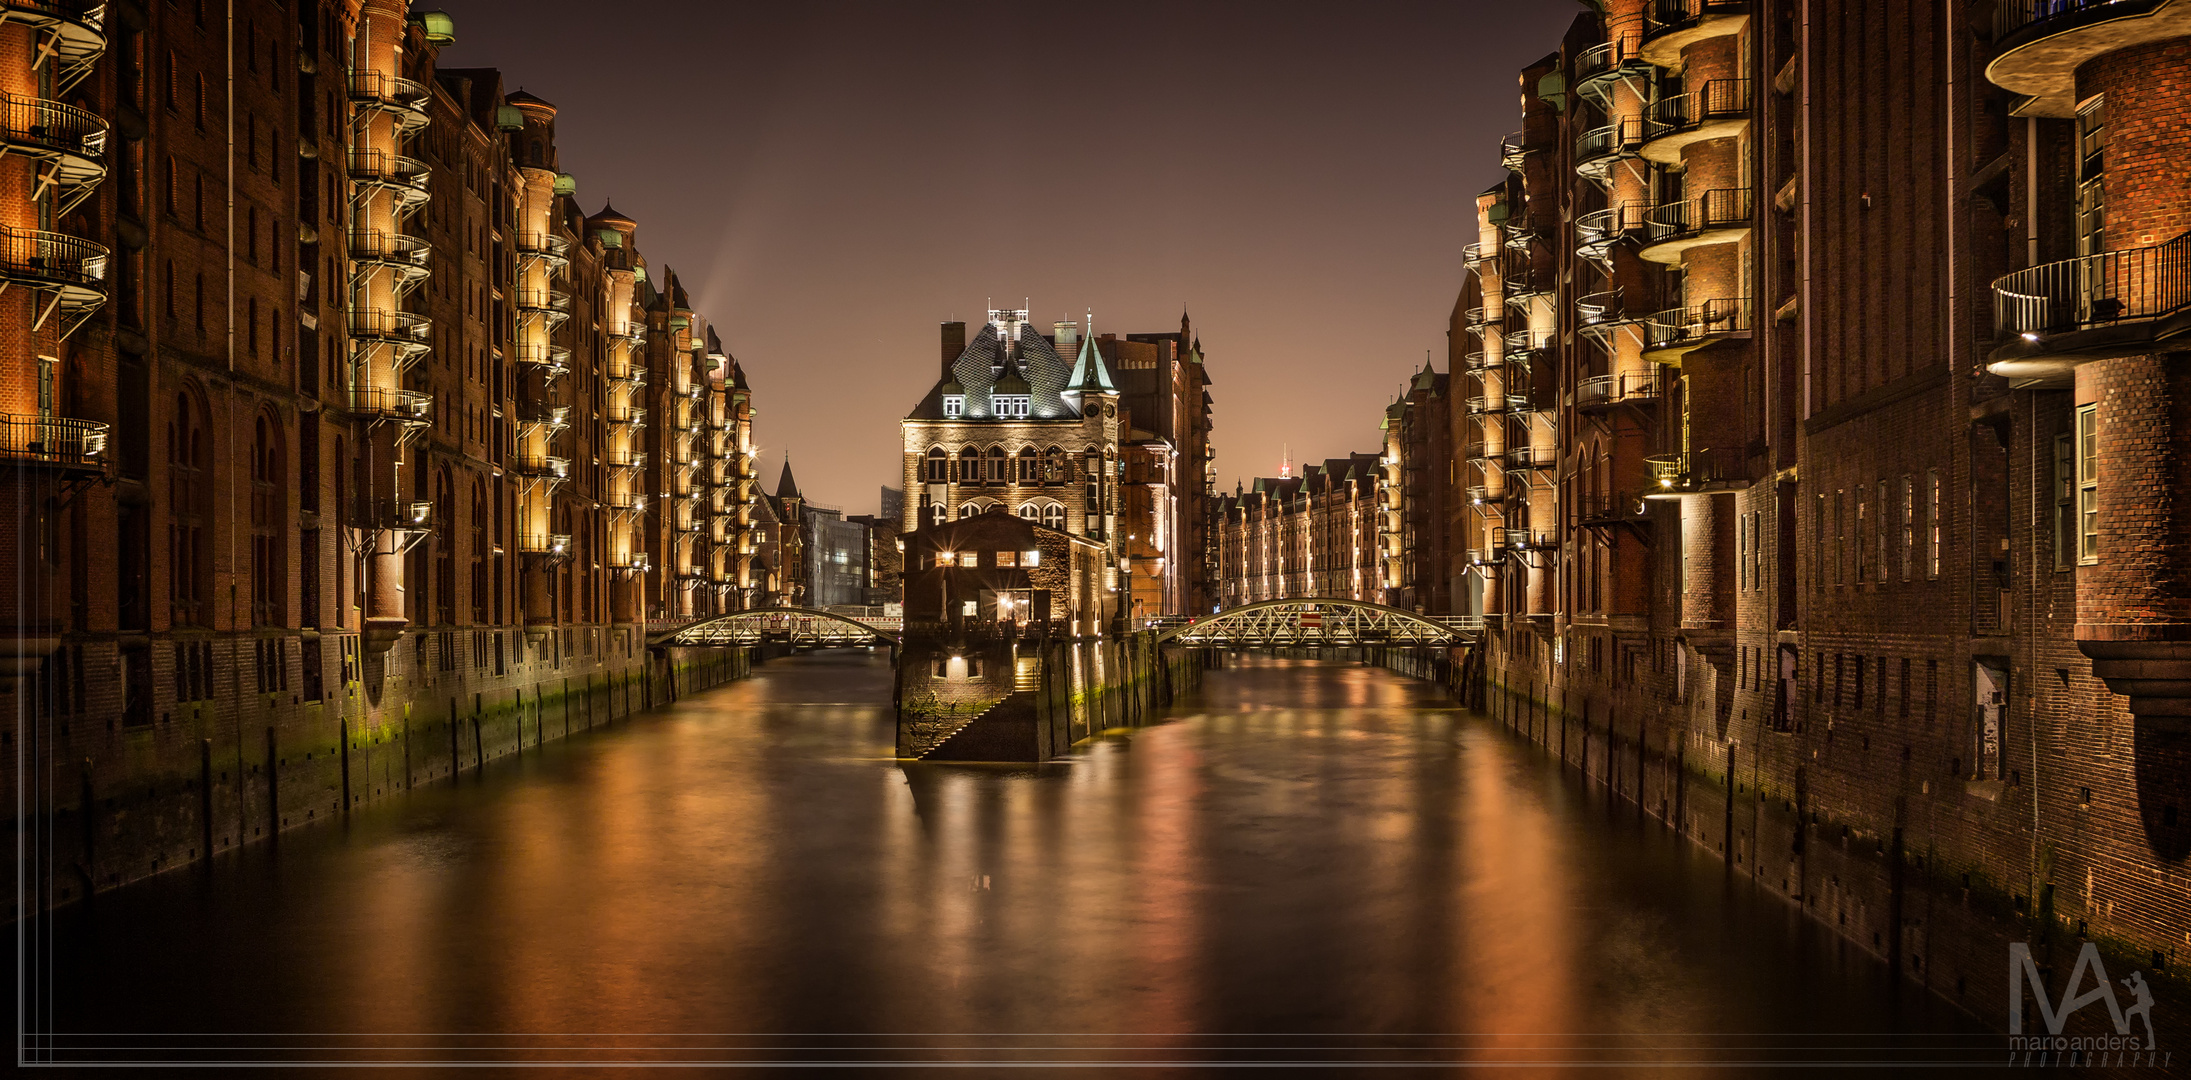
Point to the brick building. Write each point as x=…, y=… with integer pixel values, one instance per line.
x=1822, y=453
x=1318, y=534
x=1112, y=445
x=332, y=420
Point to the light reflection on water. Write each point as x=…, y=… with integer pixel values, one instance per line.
x=1303, y=847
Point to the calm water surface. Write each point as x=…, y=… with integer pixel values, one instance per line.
x=1301, y=848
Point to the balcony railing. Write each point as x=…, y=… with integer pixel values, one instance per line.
x=378, y=246
x=1597, y=148
x=1608, y=508
x=1598, y=231
x=1696, y=470
x=52, y=126
x=2097, y=290
x=388, y=403
x=1512, y=149
x=1719, y=99
x=32, y=257
x=1600, y=308
x=1600, y=61
x=2027, y=19
x=375, y=166
x=1722, y=208
x=1527, y=456
x=544, y=543
x=1479, y=404
x=1669, y=16
x=1689, y=327
x=60, y=441
x=393, y=325
x=542, y=243
x=541, y=466
x=555, y=300
x=1599, y=391
x=374, y=86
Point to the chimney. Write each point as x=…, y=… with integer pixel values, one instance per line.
x=1067, y=334
x=954, y=343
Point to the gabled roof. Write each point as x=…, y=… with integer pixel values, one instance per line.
x=786, y=487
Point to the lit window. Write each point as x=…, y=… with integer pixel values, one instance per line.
x=954, y=406
x=1008, y=558
x=969, y=560
x=1030, y=558
x=2088, y=484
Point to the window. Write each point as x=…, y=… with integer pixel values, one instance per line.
x=1840, y=538
x=269, y=583
x=999, y=466
x=1909, y=525
x=2091, y=177
x=1031, y=558
x=189, y=559
x=1053, y=516
x=1932, y=524
x=2065, y=501
x=969, y=466
x=1030, y=512
x=969, y=560
x=1879, y=531
x=1030, y=467
x=1007, y=559
x=954, y=406
x=2088, y=484
x=1858, y=547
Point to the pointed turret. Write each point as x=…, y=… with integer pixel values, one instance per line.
x=787, y=488
x=1089, y=374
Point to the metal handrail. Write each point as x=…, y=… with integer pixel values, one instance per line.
x=556, y=358
x=542, y=242
x=1697, y=322
x=379, y=323
x=54, y=440
x=389, y=246
x=392, y=403
x=53, y=125
x=1718, y=99
x=1614, y=389
x=1599, y=308
x=2012, y=17
x=1721, y=208
x=544, y=543
x=1623, y=49
x=541, y=465
x=543, y=300
x=1691, y=469
x=2096, y=290
x=1602, y=507
x=1668, y=16
x=1497, y=403
x=1618, y=138
x=31, y=254
x=1597, y=231
x=370, y=164
x=1512, y=149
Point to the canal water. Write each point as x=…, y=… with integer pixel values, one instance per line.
x=1304, y=860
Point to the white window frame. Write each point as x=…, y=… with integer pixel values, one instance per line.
x=2088, y=484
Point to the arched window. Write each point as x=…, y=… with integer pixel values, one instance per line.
x=937, y=468
x=1053, y=466
x=269, y=579
x=1030, y=468
x=1030, y=511
x=998, y=465
x=444, y=549
x=189, y=569
x=1053, y=515
x=969, y=466
x=967, y=510
x=937, y=514
x=479, y=553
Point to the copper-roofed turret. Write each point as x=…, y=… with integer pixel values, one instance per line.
x=608, y=215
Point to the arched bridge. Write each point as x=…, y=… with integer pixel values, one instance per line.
x=1310, y=621
x=802, y=627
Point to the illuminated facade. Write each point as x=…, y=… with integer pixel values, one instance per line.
x=334, y=422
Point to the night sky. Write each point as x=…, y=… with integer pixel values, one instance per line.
x=832, y=180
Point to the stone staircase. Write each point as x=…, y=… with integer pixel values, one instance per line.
x=961, y=743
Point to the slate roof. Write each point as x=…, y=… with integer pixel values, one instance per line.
x=988, y=366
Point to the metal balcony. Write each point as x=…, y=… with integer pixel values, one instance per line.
x=381, y=403
x=1598, y=232
x=2117, y=303
x=1600, y=66
x=550, y=418
x=376, y=168
x=404, y=100
x=1676, y=331
x=1606, y=391
x=1718, y=110
x=1512, y=149
x=550, y=544
x=1474, y=253
x=71, y=268
x=1527, y=456
x=551, y=360
x=628, y=501
x=2039, y=44
x=1714, y=469
x=1492, y=404
x=57, y=442
x=70, y=141
x=1521, y=279
x=1673, y=25
x=1599, y=149
x=404, y=258
x=628, y=415
x=624, y=459
x=1600, y=508
x=70, y=34
x=545, y=246
x=1721, y=216
x=541, y=467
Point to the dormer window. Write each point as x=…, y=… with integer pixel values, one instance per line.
x=1012, y=406
x=954, y=406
